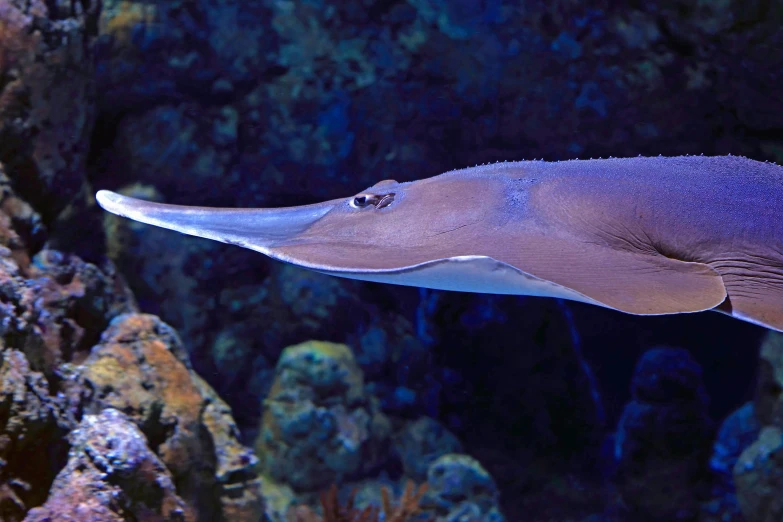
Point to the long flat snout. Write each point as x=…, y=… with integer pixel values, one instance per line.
x=255, y=228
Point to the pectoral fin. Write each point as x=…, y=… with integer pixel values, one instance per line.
x=645, y=284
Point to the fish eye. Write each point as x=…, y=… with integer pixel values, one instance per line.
x=360, y=201
x=378, y=201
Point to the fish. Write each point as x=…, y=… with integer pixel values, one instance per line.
x=640, y=235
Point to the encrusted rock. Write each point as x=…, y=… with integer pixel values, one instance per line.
x=112, y=475
x=421, y=442
x=46, y=98
x=55, y=306
x=769, y=388
x=33, y=426
x=241, y=496
x=23, y=231
x=758, y=476
x=663, y=438
x=140, y=367
x=737, y=432
x=461, y=489
x=319, y=426
x=52, y=308
x=67, y=304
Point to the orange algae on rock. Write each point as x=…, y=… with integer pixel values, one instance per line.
x=119, y=20
x=140, y=368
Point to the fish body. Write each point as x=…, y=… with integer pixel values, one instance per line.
x=645, y=235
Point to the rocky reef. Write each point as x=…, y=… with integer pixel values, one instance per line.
x=141, y=366
x=758, y=472
x=111, y=475
x=75, y=352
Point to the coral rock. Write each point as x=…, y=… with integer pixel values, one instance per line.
x=758, y=476
x=140, y=367
x=769, y=389
x=46, y=98
x=111, y=476
x=319, y=426
x=71, y=302
x=420, y=443
x=737, y=432
x=663, y=438
x=461, y=489
x=33, y=425
x=56, y=307
x=52, y=309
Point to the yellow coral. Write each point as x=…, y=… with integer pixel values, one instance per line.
x=118, y=21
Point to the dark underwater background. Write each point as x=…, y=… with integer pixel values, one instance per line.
x=151, y=376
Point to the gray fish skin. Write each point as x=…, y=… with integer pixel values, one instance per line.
x=645, y=235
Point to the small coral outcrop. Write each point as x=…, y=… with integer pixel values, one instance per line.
x=419, y=443
x=459, y=488
x=663, y=438
x=112, y=476
x=758, y=476
x=319, y=425
x=737, y=431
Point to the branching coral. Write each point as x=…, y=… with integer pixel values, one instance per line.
x=406, y=509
